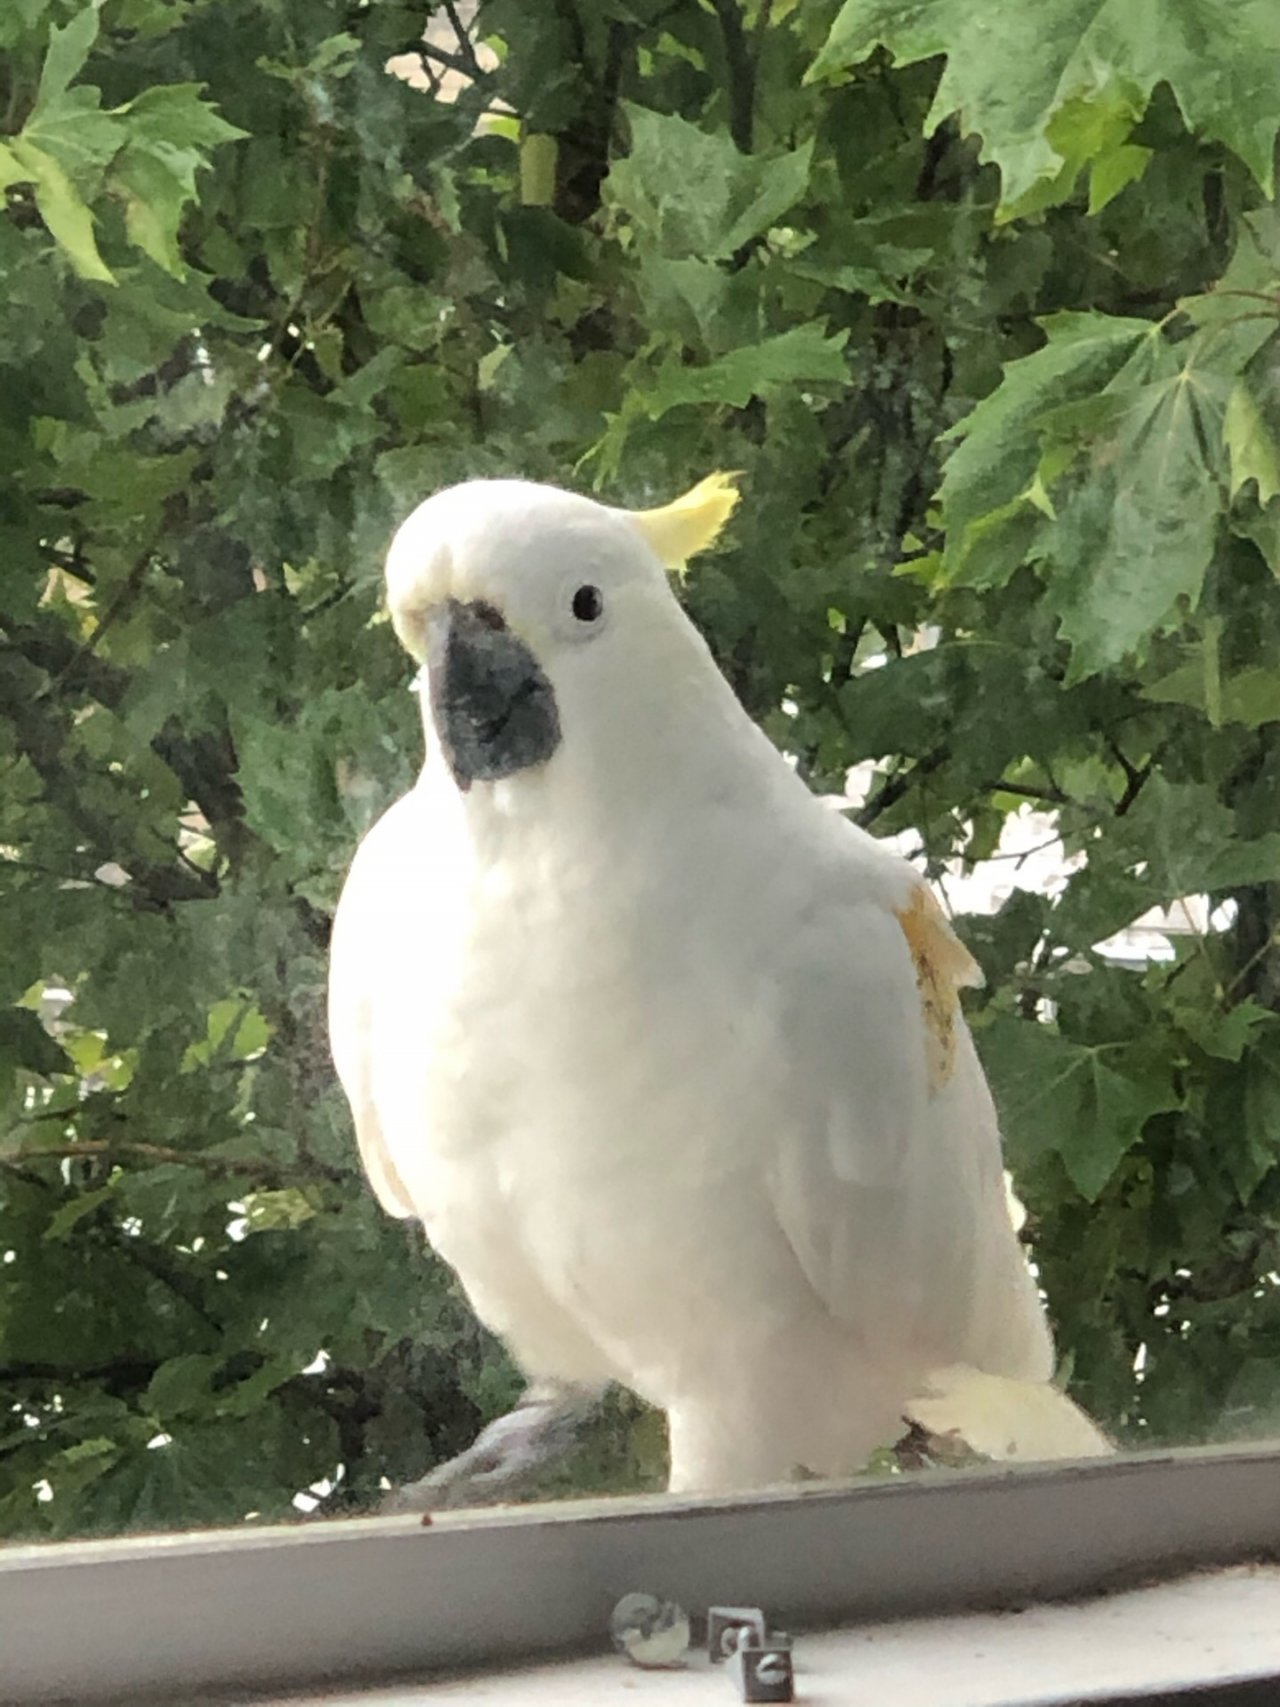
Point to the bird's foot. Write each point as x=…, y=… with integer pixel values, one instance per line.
x=505, y=1457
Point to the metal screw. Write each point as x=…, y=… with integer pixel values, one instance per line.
x=773, y=1669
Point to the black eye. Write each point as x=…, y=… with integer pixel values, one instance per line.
x=588, y=604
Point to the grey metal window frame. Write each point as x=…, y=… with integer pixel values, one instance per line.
x=187, y=1616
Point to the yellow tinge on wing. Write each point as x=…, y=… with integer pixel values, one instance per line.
x=943, y=964
x=679, y=530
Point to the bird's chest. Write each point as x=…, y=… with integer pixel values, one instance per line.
x=593, y=1058
x=549, y=1017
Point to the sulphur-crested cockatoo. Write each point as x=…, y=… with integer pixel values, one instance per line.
x=667, y=1056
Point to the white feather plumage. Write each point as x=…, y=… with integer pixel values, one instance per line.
x=639, y=1034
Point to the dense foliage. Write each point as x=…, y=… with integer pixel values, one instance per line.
x=983, y=300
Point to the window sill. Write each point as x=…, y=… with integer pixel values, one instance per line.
x=361, y=1602
x=1219, y=1631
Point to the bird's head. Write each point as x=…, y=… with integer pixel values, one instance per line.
x=524, y=603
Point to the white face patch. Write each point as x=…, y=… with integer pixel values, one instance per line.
x=530, y=550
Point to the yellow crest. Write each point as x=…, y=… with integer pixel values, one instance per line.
x=679, y=530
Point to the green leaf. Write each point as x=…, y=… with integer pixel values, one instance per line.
x=1069, y=1098
x=1189, y=842
x=998, y=447
x=73, y=1471
x=1251, y=1408
x=1251, y=444
x=69, y=48
x=1250, y=696
x=1242, y=295
x=1128, y=551
x=333, y=58
x=1011, y=72
x=11, y=170
x=67, y=122
x=171, y=132
x=804, y=354
x=276, y=1211
x=62, y=210
x=72, y=1213
x=691, y=193
x=25, y=1044
x=246, y=1397
x=686, y=297
x=235, y=1031
x=1224, y=1033
x=22, y=15
x=538, y=155
x=1115, y=171
x=181, y=1385
x=1256, y=1151
x=1243, y=863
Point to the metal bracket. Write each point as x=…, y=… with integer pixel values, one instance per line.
x=759, y=1658
x=726, y=1625
x=764, y=1672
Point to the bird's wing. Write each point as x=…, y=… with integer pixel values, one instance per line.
x=366, y=942
x=887, y=1179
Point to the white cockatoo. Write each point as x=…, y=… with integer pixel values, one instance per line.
x=667, y=1056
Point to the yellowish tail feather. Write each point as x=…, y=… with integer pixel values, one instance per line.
x=1006, y=1419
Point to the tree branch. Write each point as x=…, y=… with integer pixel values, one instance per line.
x=1051, y=796
x=41, y=738
x=247, y=1167
x=471, y=64
x=896, y=786
x=124, y=596
x=741, y=66
x=577, y=35
x=1135, y=776
x=155, y=1262
x=427, y=50
x=143, y=1368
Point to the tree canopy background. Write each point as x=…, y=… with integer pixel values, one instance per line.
x=983, y=300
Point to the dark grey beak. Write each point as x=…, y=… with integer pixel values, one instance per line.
x=493, y=708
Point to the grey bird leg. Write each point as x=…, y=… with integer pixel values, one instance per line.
x=506, y=1456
